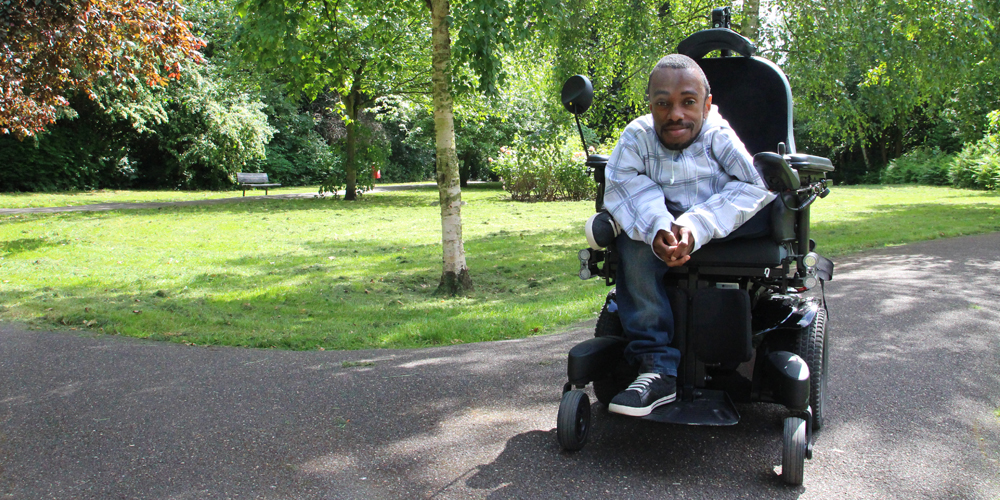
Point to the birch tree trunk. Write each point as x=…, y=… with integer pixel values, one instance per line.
x=751, y=19
x=455, y=277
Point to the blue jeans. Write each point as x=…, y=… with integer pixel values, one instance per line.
x=644, y=308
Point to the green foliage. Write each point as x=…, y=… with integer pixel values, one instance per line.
x=874, y=79
x=212, y=130
x=297, y=155
x=616, y=44
x=978, y=164
x=543, y=171
x=359, y=50
x=215, y=130
x=85, y=151
x=922, y=165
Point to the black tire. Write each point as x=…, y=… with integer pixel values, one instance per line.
x=608, y=323
x=793, y=451
x=573, y=422
x=813, y=348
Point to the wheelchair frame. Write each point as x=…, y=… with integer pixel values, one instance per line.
x=764, y=349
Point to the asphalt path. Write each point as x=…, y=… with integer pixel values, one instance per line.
x=913, y=390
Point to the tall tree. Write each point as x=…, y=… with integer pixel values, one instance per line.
x=49, y=48
x=455, y=277
x=617, y=43
x=869, y=73
x=359, y=49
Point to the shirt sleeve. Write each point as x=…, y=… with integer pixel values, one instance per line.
x=739, y=199
x=634, y=200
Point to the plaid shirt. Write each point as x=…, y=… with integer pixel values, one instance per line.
x=712, y=185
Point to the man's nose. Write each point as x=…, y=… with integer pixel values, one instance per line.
x=675, y=113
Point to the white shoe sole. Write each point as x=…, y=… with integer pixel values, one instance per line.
x=641, y=412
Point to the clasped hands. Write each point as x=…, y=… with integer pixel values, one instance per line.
x=674, y=247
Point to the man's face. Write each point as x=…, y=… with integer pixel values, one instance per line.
x=679, y=106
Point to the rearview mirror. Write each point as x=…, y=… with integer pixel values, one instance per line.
x=577, y=94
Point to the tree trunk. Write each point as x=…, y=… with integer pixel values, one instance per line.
x=353, y=102
x=751, y=19
x=885, y=150
x=455, y=277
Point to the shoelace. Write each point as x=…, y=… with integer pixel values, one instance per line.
x=643, y=381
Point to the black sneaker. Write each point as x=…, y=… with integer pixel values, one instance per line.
x=649, y=391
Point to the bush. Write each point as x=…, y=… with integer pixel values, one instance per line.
x=545, y=172
x=977, y=166
x=922, y=165
x=211, y=133
x=297, y=155
x=82, y=152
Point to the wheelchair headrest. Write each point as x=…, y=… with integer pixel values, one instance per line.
x=752, y=93
x=705, y=41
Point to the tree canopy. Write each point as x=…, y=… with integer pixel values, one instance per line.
x=877, y=73
x=49, y=48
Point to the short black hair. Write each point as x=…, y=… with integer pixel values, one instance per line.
x=679, y=61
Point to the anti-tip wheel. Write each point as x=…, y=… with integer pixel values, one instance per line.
x=793, y=451
x=573, y=422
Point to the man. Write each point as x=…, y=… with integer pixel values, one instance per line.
x=677, y=178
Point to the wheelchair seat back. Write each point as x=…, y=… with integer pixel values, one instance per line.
x=754, y=96
x=752, y=93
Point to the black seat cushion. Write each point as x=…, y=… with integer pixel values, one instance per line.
x=750, y=245
x=746, y=252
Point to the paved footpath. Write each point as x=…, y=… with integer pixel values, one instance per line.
x=914, y=385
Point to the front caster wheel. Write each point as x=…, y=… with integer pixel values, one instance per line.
x=573, y=422
x=793, y=451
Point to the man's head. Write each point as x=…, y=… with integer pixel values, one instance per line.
x=679, y=99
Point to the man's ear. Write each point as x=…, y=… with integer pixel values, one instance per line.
x=708, y=104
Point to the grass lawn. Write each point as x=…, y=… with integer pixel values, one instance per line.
x=322, y=273
x=79, y=198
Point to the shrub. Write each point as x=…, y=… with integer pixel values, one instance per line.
x=212, y=131
x=922, y=165
x=545, y=172
x=977, y=166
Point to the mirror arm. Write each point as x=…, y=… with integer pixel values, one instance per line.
x=582, y=140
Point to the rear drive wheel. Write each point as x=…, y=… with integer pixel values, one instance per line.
x=573, y=422
x=813, y=347
x=608, y=322
x=793, y=451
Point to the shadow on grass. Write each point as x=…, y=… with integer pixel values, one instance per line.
x=364, y=293
x=345, y=295
x=14, y=247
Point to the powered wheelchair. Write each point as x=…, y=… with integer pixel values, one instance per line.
x=746, y=331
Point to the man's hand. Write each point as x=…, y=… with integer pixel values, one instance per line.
x=674, y=247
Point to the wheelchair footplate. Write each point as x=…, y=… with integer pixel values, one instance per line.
x=709, y=407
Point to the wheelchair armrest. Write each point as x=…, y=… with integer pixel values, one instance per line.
x=597, y=163
x=813, y=165
x=777, y=174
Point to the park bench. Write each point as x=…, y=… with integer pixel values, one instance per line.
x=249, y=180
